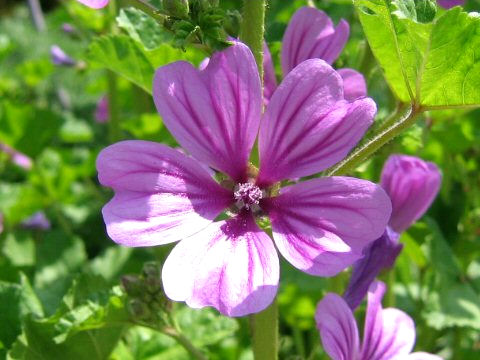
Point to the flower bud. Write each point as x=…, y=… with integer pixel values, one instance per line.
x=60, y=58
x=138, y=309
x=412, y=185
x=133, y=285
x=176, y=8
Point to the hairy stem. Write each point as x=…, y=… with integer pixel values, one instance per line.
x=253, y=28
x=363, y=152
x=264, y=328
x=114, y=121
x=147, y=8
x=182, y=340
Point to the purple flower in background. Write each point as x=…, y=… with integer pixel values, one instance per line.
x=17, y=157
x=38, y=221
x=389, y=334
x=311, y=34
x=412, y=185
x=94, y=4
x=59, y=57
x=447, y=4
x=1, y=223
x=68, y=28
x=161, y=196
x=102, y=111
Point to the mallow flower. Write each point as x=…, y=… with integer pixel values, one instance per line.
x=94, y=4
x=102, y=110
x=59, y=57
x=389, y=334
x=17, y=157
x=38, y=221
x=161, y=196
x=412, y=185
x=311, y=34
x=447, y=4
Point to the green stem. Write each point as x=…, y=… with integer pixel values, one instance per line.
x=114, y=121
x=182, y=340
x=299, y=343
x=390, y=280
x=253, y=28
x=148, y=9
x=363, y=152
x=264, y=329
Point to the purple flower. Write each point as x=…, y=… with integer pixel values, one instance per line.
x=59, y=57
x=17, y=157
x=1, y=223
x=102, y=111
x=447, y=4
x=38, y=221
x=311, y=34
x=389, y=334
x=94, y=4
x=161, y=196
x=412, y=185
x=68, y=28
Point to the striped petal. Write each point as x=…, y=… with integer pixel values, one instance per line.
x=213, y=113
x=161, y=195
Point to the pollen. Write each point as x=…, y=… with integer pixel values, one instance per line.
x=248, y=195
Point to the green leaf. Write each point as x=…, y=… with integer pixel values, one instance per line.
x=141, y=343
x=128, y=58
x=16, y=302
x=87, y=326
x=19, y=248
x=431, y=64
x=205, y=326
x=20, y=127
x=75, y=131
x=142, y=28
x=59, y=257
x=451, y=301
x=419, y=10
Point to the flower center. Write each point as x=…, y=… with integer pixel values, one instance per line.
x=248, y=195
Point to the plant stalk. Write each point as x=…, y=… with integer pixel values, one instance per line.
x=182, y=340
x=363, y=152
x=114, y=132
x=264, y=329
x=253, y=28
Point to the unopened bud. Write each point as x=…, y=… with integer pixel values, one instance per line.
x=232, y=22
x=133, y=285
x=138, y=309
x=176, y=8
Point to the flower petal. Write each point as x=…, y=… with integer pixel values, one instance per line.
x=214, y=113
x=307, y=126
x=269, y=79
x=354, y=85
x=322, y=225
x=447, y=4
x=310, y=34
x=412, y=184
x=388, y=332
x=231, y=265
x=337, y=327
x=161, y=195
x=94, y=4
x=379, y=255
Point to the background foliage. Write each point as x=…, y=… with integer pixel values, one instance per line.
x=60, y=293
